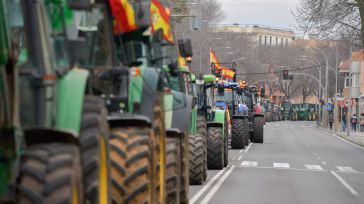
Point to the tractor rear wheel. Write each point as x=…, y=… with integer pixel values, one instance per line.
x=201, y=129
x=196, y=156
x=246, y=130
x=50, y=173
x=173, y=161
x=130, y=155
x=226, y=143
x=185, y=169
x=258, y=133
x=215, y=148
x=94, y=144
x=238, y=137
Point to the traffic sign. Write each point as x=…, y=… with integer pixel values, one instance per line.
x=328, y=106
x=348, y=102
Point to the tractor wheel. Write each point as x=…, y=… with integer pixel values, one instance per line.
x=258, y=134
x=185, y=169
x=238, y=137
x=159, y=149
x=94, y=138
x=246, y=130
x=173, y=161
x=215, y=148
x=226, y=143
x=130, y=155
x=50, y=173
x=196, y=156
x=201, y=129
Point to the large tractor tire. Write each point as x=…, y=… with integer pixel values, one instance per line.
x=94, y=144
x=173, y=161
x=258, y=134
x=246, y=131
x=50, y=173
x=158, y=143
x=130, y=156
x=226, y=143
x=238, y=137
x=185, y=170
x=202, y=130
x=196, y=156
x=215, y=148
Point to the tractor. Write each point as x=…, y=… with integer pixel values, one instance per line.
x=54, y=129
x=295, y=112
x=287, y=110
x=304, y=112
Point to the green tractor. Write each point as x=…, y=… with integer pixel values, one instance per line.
x=267, y=110
x=295, y=112
x=54, y=130
x=304, y=112
x=287, y=111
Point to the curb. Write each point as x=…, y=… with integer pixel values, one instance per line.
x=339, y=135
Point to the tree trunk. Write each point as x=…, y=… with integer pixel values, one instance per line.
x=361, y=12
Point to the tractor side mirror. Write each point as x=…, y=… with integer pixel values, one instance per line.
x=80, y=4
x=185, y=48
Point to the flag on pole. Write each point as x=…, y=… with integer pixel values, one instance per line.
x=124, y=15
x=213, y=60
x=160, y=17
x=227, y=73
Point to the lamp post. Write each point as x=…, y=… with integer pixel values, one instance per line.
x=326, y=81
x=203, y=43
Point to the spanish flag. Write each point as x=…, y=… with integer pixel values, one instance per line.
x=124, y=15
x=227, y=73
x=213, y=60
x=160, y=17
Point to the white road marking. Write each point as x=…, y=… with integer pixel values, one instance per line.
x=315, y=154
x=281, y=165
x=241, y=151
x=249, y=163
x=217, y=186
x=313, y=167
x=234, y=159
x=319, y=158
x=208, y=184
x=342, y=139
x=247, y=149
x=240, y=157
x=346, y=169
x=343, y=182
x=324, y=163
x=284, y=169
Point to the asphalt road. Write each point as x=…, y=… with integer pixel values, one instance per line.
x=296, y=164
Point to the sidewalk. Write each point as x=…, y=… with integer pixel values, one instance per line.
x=355, y=137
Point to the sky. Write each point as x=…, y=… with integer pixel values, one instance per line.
x=275, y=13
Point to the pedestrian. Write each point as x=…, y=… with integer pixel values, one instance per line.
x=354, y=122
x=331, y=119
x=362, y=122
x=343, y=121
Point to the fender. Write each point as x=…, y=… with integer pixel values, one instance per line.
x=174, y=132
x=220, y=116
x=214, y=124
x=181, y=115
x=44, y=135
x=149, y=92
x=258, y=115
x=128, y=120
x=239, y=117
x=71, y=91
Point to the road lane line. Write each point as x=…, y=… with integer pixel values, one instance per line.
x=217, y=186
x=281, y=165
x=241, y=151
x=324, y=163
x=343, y=182
x=208, y=184
x=240, y=157
x=313, y=167
x=284, y=169
x=346, y=169
x=249, y=163
x=247, y=149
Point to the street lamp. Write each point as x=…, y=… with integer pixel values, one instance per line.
x=203, y=43
x=326, y=80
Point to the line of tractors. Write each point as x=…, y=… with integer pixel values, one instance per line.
x=90, y=114
x=289, y=111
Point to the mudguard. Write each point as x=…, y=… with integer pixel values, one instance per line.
x=44, y=135
x=220, y=116
x=239, y=117
x=174, y=132
x=181, y=115
x=214, y=124
x=71, y=91
x=128, y=120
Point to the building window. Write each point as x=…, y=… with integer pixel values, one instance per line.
x=282, y=42
x=260, y=40
x=270, y=41
x=276, y=41
x=347, y=80
x=265, y=40
x=356, y=82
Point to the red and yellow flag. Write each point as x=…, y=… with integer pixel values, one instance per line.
x=160, y=17
x=213, y=60
x=124, y=15
x=227, y=73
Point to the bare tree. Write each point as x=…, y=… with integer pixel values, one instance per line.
x=331, y=17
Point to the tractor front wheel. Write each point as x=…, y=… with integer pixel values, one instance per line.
x=196, y=156
x=215, y=148
x=258, y=133
x=238, y=137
